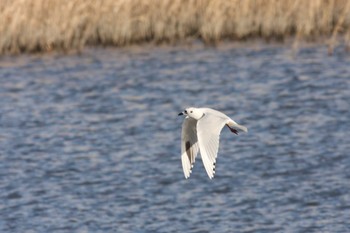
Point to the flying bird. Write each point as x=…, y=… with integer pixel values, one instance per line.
x=201, y=132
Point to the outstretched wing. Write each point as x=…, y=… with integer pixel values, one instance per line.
x=189, y=145
x=208, y=133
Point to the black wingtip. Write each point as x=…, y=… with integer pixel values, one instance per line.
x=233, y=130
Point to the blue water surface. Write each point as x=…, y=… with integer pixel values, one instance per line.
x=90, y=142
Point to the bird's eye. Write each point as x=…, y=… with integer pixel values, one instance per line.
x=191, y=111
x=186, y=111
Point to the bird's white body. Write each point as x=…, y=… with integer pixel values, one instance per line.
x=201, y=132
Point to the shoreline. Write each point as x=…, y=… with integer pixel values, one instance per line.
x=67, y=25
x=254, y=44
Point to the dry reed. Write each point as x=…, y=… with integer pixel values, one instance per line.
x=45, y=25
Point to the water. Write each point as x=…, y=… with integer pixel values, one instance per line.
x=91, y=142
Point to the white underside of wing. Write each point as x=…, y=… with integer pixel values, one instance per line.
x=189, y=145
x=208, y=133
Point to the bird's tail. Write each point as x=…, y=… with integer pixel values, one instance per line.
x=236, y=128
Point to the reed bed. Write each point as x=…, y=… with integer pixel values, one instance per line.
x=45, y=25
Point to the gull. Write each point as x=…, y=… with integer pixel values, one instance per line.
x=201, y=132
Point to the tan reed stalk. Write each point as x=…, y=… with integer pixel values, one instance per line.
x=45, y=25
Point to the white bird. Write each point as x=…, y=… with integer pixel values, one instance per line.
x=201, y=132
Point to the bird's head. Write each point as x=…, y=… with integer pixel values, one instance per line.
x=194, y=113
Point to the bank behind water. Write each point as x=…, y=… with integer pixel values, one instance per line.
x=40, y=25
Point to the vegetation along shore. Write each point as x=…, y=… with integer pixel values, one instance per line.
x=63, y=25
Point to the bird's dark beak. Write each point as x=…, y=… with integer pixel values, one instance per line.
x=180, y=114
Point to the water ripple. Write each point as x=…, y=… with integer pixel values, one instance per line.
x=90, y=143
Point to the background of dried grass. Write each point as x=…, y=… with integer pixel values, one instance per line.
x=45, y=25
